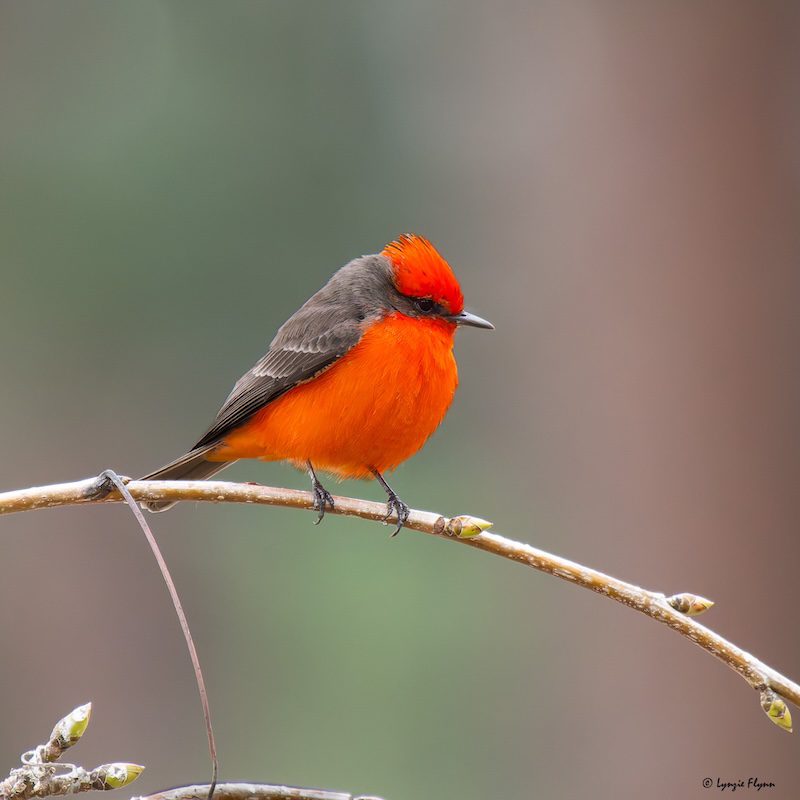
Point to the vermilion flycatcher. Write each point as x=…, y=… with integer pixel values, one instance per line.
x=353, y=383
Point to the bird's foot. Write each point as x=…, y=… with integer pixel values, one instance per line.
x=394, y=505
x=322, y=498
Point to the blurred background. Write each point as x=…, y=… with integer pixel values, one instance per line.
x=616, y=185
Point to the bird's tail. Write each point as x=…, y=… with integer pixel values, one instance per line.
x=194, y=466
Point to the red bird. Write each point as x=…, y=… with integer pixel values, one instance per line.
x=353, y=383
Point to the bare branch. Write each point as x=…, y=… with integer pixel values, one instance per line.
x=771, y=685
x=251, y=791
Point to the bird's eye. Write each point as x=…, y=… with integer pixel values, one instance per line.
x=424, y=305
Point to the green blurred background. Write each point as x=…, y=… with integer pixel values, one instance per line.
x=616, y=185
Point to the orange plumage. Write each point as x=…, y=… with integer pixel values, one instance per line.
x=373, y=409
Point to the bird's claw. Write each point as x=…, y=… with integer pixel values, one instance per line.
x=322, y=498
x=394, y=505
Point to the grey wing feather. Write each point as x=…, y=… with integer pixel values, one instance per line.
x=309, y=342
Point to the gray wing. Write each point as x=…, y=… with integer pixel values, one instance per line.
x=310, y=342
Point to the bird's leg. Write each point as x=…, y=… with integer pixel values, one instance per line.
x=393, y=504
x=322, y=496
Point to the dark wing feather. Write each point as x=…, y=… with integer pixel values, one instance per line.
x=311, y=341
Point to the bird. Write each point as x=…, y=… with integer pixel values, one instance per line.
x=354, y=382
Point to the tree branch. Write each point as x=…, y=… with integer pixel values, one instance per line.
x=672, y=611
x=251, y=791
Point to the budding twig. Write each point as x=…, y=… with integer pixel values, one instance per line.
x=690, y=604
x=40, y=775
x=653, y=604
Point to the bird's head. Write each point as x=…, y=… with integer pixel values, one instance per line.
x=425, y=283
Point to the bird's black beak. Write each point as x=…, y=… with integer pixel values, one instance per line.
x=473, y=320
